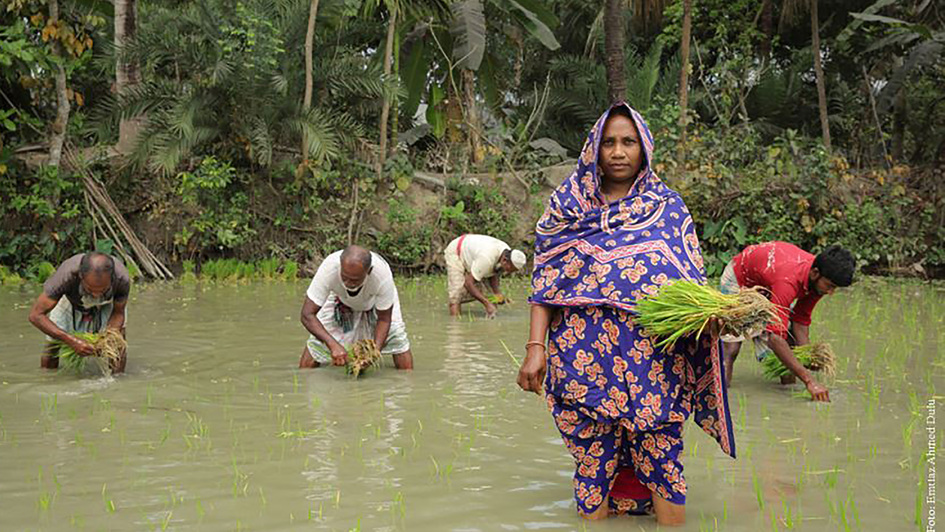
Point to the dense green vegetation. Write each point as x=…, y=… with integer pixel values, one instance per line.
x=200, y=118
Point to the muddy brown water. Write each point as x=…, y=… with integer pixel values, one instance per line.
x=214, y=428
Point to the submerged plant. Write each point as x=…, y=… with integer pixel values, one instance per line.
x=364, y=355
x=815, y=357
x=684, y=308
x=108, y=347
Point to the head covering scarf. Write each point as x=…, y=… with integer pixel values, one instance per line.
x=589, y=252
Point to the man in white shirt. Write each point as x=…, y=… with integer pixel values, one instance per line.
x=352, y=297
x=471, y=259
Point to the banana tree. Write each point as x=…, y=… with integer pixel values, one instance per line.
x=401, y=15
x=460, y=47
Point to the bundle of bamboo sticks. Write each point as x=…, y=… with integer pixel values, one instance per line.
x=108, y=220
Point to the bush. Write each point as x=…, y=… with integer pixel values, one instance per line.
x=41, y=217
x=741, y=192
x=407, y=241
x=480, y=209
x=217, y=207
x=8, y=277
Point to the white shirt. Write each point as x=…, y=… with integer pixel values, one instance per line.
x=377, y=292
x=480, y=255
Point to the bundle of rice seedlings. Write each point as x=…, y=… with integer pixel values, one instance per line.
x=815, y=357
x=685, y=308
x=362, y=356
x=108, y=349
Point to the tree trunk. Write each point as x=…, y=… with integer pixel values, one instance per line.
x=395, y=105
x=59, y=127
x=767, y=27
x=900, y=114
x=613, y=50
x=472, y=116
x=819, y=71
x=127, y=73
x=684, y=80
x=307, y=98
x=385, y=108
x=518, y=42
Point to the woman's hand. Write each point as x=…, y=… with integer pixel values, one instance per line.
x=532, y=373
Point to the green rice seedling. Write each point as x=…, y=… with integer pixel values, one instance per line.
x=50, y=404
x=247, y=270
x=240, y=481
x=363, y=356
x=815, y=357
x=45, y=501
x=290, y=270
x=759, y=495
x=108, y=346
x=268, y=268
x=188, y=276
x=509, y=352
x=789, y=517
x=685, y=308
x=109, y=504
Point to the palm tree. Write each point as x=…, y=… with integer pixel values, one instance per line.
x=405, y=13
x=791, y=9
x=58, y=137
x=684, y=79
x=614, y=50
x=819, y=72
x=127, y=73
x=468, y=29
x=307, y=98
x=206, y=88
x=388, y=57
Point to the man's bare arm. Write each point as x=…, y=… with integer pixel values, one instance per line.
x=382, y=328
x=314, y=325
x=783, y=351
x=494, y=285
x=801, y=333
x=39, y=317
x=117, y=319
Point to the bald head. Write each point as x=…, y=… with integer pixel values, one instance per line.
x=96, y=263
x=355, y=266
x=95, y=272
x=356, y=255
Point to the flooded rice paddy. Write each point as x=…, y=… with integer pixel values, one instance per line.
x=214, y=428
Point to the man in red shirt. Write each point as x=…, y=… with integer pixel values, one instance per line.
x=795, y=280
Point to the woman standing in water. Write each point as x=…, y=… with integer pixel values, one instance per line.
x=611, y=233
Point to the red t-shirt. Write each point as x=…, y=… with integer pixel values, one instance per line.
x=783, y=269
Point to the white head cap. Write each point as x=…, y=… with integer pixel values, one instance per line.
x=518, y=259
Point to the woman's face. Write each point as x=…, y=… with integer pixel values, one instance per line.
x=621, y=153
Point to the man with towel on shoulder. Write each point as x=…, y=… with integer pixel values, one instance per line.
x=473, y=259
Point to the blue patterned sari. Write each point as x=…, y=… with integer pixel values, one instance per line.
x=618, y=401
